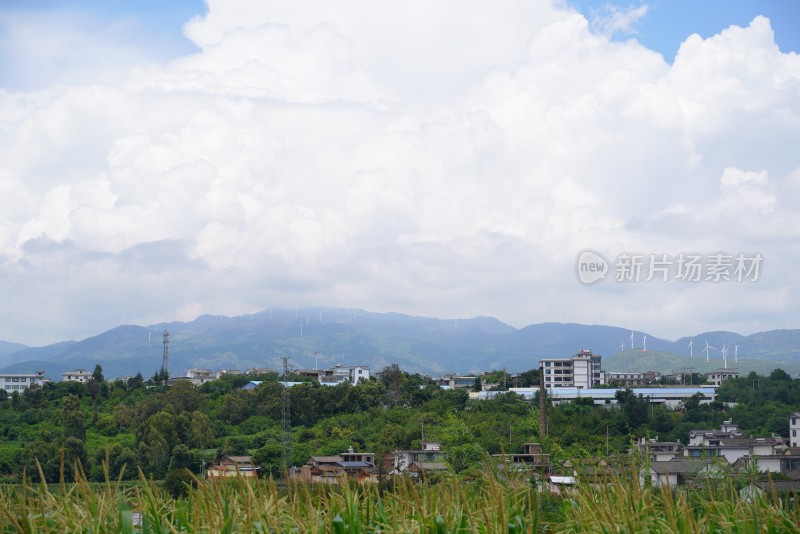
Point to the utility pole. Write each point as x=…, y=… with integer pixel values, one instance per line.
x=287, y=422
x=542, y=405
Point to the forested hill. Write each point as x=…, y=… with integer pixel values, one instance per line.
x=328, y=336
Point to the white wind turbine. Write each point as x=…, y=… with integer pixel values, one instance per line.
x=631, y=339
x=691, y=342
x=621, y=346
x=708, y=347
x=644, y=342
x=736, y=353
x=724, y=356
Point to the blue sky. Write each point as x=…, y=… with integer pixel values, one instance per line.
x=447, y=158
x=667, y=23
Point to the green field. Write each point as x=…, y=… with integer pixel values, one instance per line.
x=486, y=504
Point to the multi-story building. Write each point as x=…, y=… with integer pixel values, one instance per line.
x=199, y=376
x=20, y=381
x=430, y=457
x=77, y=375
x=341, y=373
x=582, y=371
x=631, y=378
x=717, y=377
x=794, y=430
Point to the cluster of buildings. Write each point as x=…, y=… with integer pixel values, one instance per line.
x=331, y=376
x=717, y=452
x=349, y=465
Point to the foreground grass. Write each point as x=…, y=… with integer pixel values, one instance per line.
x=484, y=506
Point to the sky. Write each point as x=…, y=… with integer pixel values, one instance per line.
x=631, y=163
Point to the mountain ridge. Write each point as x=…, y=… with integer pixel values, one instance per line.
x=328, y=336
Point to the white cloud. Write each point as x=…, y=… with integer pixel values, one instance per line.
x=446, y=159
x=611, y=19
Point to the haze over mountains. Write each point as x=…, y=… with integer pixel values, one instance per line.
x=327, y=336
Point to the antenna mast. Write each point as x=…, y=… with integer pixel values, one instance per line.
x=287, y=422
x=165, y=361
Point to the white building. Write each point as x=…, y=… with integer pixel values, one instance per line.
x=671, y=397
x=78, y=375
x=341, y=373
x=199, y=376
x=581, y=371
x=21, y=381
x=794, y=430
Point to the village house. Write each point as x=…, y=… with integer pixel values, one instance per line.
x=726, y=444
x=532, y=458
x=76, y=375
x=233, y=466
x=416, y=463
x=352, y=465
x=682, y=471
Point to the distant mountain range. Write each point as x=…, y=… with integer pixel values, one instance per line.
x=327, y=336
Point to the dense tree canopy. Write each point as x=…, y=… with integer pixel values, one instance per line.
x=129, y=425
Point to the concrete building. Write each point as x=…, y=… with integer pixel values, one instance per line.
x=717, y=377
x=429, y=458
x=457, y=381
x=198, y=376
x=582, y=371
x=77, y=375
x=531, y=458
x=631, y=378
x=21, y=381
x=343, y=373
x=794, y=430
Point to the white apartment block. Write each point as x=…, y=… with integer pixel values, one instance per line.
x=21, y=381
x=77, y=375
x=581, y=371
x=794, y=430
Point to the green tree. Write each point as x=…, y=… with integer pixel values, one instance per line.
x=73, y=418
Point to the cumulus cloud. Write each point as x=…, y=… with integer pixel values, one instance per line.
x=447, y=159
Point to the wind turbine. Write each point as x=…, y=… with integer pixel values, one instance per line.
x=622, y=346
x=708, y=347
x=644, y=343
x=631, y=339
x=691, y=342
x=724, y=356
x=736, y=353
